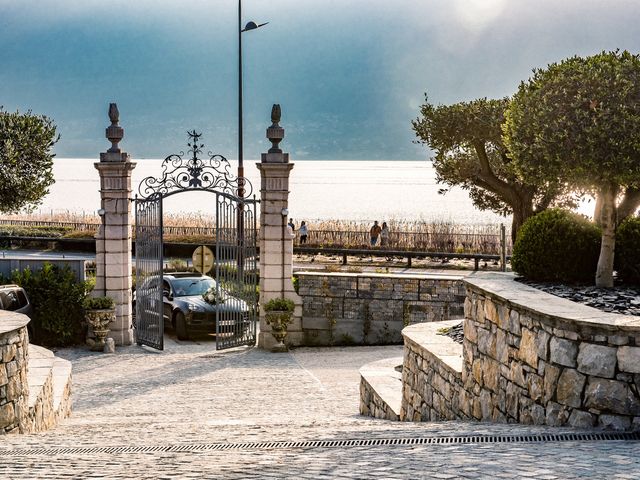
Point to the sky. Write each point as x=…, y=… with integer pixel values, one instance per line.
x=350, y=75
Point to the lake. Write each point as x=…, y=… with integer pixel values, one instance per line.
x=357, y=190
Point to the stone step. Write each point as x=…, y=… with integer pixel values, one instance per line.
x=39, y=370
x=381, y=389
x=49, y=379
x=61, y=387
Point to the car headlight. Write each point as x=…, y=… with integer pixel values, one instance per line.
x=195, y=308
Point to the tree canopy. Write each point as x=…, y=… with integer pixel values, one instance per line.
x=26, y=160
x=469, y=152
x=578, y=121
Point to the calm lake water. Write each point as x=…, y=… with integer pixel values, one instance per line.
x=346, y=190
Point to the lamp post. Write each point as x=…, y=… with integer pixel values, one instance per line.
x=248, y=26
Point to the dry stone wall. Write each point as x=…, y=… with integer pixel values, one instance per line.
x=431, y=376
x=14, y=389
x=530, y=357
x=371, y=308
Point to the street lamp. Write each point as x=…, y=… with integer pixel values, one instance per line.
x=248, y=26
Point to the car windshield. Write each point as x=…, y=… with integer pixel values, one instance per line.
x=184, y=287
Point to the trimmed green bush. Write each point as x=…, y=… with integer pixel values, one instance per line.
x=557, y=245
x=280, y=305
x=57, y=299
x=98, y=303
x=627, y=261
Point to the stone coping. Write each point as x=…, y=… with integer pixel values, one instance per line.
x=386, y=381
x=10, y=321
x=560, y=311
x=425, y=337
x=416, y=276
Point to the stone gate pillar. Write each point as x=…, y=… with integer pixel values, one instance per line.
x=113, y=240
x=276, y=238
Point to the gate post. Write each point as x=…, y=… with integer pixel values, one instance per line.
x=113, y=240
x=276, y=238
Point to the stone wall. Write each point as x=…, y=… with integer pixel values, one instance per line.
x=431, y=376
x=14, y=389
x=532, y=358
x=379, y=395
x=371, y=308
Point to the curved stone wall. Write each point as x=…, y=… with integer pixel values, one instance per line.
x=534, y=358
x=14, y=387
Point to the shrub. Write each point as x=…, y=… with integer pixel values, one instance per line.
x=557, y=245
x=627, y=261
x=98, y=303
x=57, y=299
x=279, y=304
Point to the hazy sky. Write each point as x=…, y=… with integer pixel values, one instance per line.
x=350, y=75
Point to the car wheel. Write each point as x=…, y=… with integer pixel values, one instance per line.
x=181, y=327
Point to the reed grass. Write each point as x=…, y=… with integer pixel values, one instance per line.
x=404, y=234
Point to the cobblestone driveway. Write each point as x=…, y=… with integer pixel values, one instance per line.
x=192, y=395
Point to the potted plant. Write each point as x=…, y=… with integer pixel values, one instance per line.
x=278, y=313
x=99, y=312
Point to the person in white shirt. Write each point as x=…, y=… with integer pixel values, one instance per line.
x=303, y=232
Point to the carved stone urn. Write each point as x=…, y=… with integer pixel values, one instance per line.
x=99, y=313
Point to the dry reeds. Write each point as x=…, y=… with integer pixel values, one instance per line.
x=417, y=235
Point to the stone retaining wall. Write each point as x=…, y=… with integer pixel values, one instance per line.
x=379, y=392
x=431, y=376
x=14, y=389
x=532, y=358
x=371, y=308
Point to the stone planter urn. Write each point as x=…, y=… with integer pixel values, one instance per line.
x=99, y=313
x=278, y=315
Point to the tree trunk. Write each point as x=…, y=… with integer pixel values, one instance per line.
x=604, y=272
x=629, y=204
x=521, y=212
x=597, y=210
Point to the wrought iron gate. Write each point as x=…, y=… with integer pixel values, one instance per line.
x=235, y=238
x=236, y=271
x=149, y=322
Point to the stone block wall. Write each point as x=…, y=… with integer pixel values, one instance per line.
x=431, y=376
x=14, y=388
x=371, y=308
x=532, y=358
x=372, y=405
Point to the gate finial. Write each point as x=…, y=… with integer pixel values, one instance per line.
x=114, y=132
x=275, y=133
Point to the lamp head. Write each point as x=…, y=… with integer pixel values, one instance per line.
x=252, y=26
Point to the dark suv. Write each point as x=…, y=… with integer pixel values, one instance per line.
x=186, y=311
x=14, y=299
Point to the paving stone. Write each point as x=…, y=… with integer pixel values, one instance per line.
x=190, y=395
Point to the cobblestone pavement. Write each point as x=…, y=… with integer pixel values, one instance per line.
x=191, y=395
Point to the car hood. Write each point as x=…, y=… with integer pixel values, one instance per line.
x=232, y=304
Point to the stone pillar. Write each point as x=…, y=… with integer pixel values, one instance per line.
x=276, y=238
x=113, y=240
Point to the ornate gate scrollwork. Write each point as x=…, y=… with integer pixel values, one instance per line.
x=235, y=242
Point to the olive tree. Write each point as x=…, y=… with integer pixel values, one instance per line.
x=26, y=160
x=466, y=138
x=578, y=121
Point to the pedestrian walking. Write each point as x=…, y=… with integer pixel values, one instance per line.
x=374, y=233
x=303, y=233
x=384, y=235
x=292, y=225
